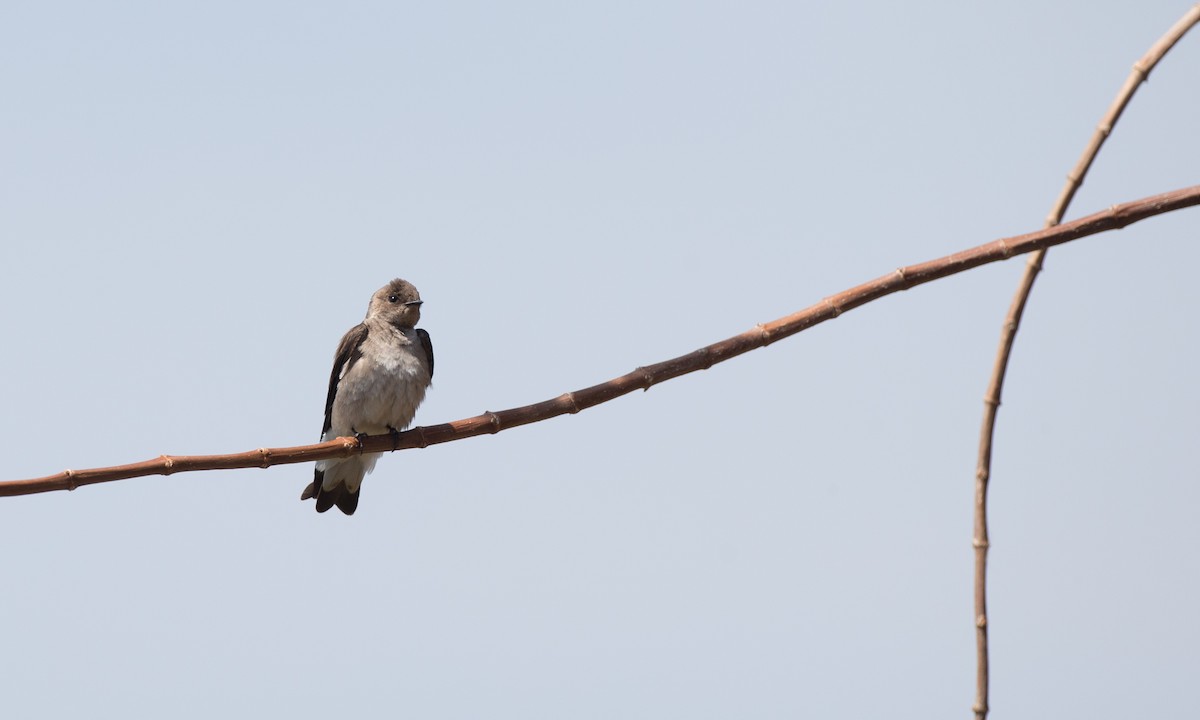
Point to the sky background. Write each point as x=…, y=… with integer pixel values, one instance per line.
x=198, y=199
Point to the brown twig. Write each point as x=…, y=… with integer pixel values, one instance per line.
x=991, y=401
x=1118, y=216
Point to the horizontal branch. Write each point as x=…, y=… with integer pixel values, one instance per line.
x=1118, y=216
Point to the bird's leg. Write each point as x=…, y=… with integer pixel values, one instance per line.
x=395, y=438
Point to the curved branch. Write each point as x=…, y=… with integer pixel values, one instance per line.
x=991, y=401
x=1118, y=216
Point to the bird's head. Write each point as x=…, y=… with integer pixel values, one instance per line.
x=397, y=303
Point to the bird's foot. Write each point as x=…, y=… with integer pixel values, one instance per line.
x=395, y=437
x=359, y=437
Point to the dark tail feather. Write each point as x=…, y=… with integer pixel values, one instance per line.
x=340, y=495
x=326, y=498
x=347, y=501
x=310, y=492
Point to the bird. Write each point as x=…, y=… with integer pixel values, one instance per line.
x=381, y=371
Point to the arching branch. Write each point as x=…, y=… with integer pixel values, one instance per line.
x=991, y=401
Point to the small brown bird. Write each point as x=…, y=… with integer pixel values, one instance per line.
x=380, y=372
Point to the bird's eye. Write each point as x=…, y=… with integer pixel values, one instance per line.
x=393, y=298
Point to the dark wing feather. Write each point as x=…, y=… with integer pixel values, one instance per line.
x=348, y=352
x=427, y=344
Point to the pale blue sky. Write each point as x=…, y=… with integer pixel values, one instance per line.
x=197, y=200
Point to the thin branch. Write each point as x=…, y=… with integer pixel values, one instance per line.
x=991, y=401
x=1118, y=216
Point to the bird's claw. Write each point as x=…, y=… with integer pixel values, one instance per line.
x=360, y=437
x=395, y=437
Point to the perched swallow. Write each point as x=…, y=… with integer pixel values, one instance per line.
x=380, y=373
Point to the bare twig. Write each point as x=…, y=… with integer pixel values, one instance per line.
x=991, y=402
x=1118, y=216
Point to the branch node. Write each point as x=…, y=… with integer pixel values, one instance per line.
x=764, y=333
x=71, y=484
x=981, y=621
x=647, y=377
x=422, y=441
x=980, y=544
x=708, y=357
x=265, y=454
x=494, y=421
x=832, y=308
x=168, y=464
x=903, y=278
x=570, y=398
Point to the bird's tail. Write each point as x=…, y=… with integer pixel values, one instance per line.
x=338, y=483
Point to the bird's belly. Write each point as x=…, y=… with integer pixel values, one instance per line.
x=379, y=394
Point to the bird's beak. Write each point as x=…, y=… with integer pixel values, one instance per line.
x=414, y=303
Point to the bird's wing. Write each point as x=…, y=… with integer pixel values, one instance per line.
x=427, y=344
x=348, y=352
